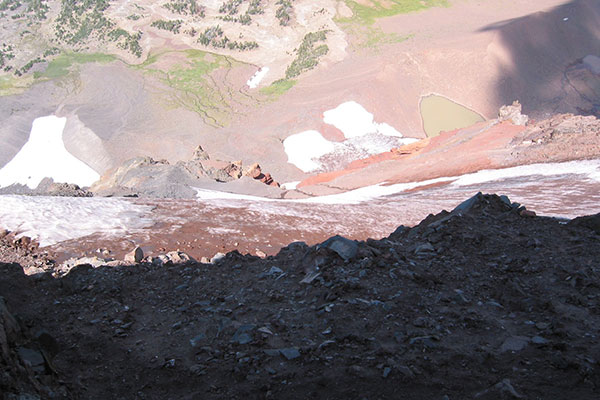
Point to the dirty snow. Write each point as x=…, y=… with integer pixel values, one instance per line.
x=55, y=219
x=587, y=169
x=310, y=151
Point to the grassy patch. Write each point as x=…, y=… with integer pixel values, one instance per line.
x=375, y=37
x=10, y=85
x=278, y=88
x=151, y=59
x=192, y=76
x=7, y=84
x=366, y=15
x=195, y=86
x=62, y=64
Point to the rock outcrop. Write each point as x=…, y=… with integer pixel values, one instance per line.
x=47, y=187
x=146, y=177
x=513, y=113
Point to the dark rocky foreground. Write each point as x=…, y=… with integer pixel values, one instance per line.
x=486, y=302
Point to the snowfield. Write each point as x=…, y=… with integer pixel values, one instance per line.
x=304, y=148
x=44, y=155
x=586, y=170
x=561, y=189
x=55, y=219
x=353, y=120
x=364, y=137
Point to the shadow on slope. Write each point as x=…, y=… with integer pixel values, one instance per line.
x=486, y=284
x=541, y=58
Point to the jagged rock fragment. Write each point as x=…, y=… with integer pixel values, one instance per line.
x=135, y=256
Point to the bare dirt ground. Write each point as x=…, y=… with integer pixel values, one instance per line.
x=486, y=302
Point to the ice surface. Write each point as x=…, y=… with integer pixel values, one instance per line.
x=588, y=169
x=290, y=185
x=566, y=189
x=55, y=219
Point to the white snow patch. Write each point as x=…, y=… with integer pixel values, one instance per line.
x=257, y=77
x=290, y=185
x=221, y=230
x=588, y=168
x=351, y=197
x=353, y=120
x=55, y=219
x=303, y=148
x=372, y=192
x=44, y=155
x=364, y=137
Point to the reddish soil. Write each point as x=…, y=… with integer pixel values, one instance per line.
x=331, y=133
x=486, y=145
x=448, y=154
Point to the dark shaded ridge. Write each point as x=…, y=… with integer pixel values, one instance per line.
x=546, y=71
x=488, y=301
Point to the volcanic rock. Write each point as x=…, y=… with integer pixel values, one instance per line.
x=590, y=221
x=135, y=256
x=146, y=177
x=345, y=248
x=514, y=343
x=513, y=114
x=290, y=353
x=200, y=154
x=253, y=171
